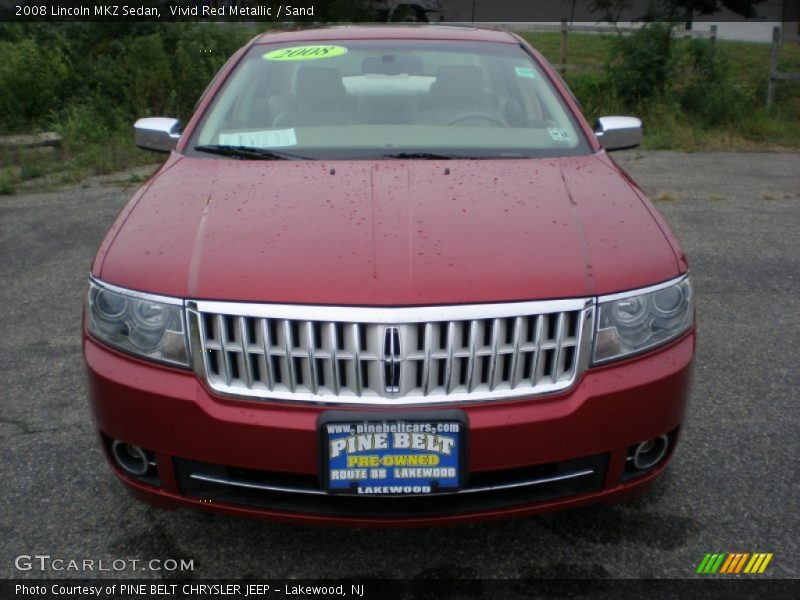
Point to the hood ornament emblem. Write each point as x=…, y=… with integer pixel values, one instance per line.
x=391, y=359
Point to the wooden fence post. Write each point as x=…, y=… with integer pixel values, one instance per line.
x=773, y=65
x=713, y=41
x=563, y=55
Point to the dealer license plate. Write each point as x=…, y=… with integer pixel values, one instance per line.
x=406, y=455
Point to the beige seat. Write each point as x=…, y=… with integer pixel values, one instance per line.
x=458, y=96
x=320, y=98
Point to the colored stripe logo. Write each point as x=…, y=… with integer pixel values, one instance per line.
x=732, y=563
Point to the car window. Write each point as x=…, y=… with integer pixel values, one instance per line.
x=379, y=98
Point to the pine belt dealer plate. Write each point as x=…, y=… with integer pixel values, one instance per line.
x=400, y=454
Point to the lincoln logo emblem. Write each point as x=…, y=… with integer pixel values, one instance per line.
x=391, y=359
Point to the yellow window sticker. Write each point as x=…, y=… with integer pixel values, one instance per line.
x=305, y=53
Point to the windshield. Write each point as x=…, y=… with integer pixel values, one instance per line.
x=368, y=99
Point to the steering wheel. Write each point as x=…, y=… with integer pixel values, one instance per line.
x=477, y=115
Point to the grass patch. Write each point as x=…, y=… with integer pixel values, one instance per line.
x=78, y=159
x=665, y=196
x=708, y=103
x=8, y=181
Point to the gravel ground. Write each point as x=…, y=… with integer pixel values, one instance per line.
x=733, y=485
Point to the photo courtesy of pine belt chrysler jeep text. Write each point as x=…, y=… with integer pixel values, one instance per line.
x=388, y=276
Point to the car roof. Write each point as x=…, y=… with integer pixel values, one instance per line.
x=386, y=32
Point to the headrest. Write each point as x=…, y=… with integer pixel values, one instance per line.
x=458, y=84
x=319, y=87
x=392, y=64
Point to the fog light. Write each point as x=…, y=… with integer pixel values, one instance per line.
x=650, y=452
x=131, y=459
x=644, y=456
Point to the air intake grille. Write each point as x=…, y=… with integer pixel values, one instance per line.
x=376, y=356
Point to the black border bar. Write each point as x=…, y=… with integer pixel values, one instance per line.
x=288, y=12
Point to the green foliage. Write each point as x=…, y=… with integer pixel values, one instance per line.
x=32, y=81
x=7, y=181
x=91, y=81
x=709, y=93
x=82, y=123
x=117, y=71
x=712, y=98
x=642, y=64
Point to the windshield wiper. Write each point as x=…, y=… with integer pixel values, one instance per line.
x=248, y=152
x=421, y=156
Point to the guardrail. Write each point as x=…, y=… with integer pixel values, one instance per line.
x=778, y=38
x=37, y=140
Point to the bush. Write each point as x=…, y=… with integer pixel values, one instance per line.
x=596, y=94
x=120, y=72
x=709, y=93
x=7, y=181
x=641, y=64
x=80, y=124
x=32, y=82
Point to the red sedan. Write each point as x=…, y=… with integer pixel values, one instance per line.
x=388, y=276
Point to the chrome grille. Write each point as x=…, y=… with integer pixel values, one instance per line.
x=390, y=356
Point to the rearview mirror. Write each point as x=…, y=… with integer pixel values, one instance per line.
x=618, y=133
x=157, y=133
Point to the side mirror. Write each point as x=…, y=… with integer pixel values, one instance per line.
x=157, y=133
x=618, y=133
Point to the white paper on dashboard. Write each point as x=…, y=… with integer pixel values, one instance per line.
x=273, y=138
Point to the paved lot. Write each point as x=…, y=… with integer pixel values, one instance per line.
x=734, y=484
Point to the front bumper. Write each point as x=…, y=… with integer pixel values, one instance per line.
x=592, y=425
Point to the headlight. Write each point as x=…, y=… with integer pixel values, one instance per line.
x=148, y=326
x=632, y=322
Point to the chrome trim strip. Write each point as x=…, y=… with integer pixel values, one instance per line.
x=265, y=344
x=137, y=294
x=518, y=484
x=642, y=291
x=559, y=346
x=513, y=379
x=493, y=360
x=248, y=370
x=334, y=360
x=255, y=486
x=426, y=366
x=388, y=315
x=537, y=358
x=297, y=490
x=312, y=361
x=325, y=398
x=586, y=346
x=357, y=357
x=197, y=333
x=222, y=331
x=287, y=347
x=473, y=342
x=448, y=369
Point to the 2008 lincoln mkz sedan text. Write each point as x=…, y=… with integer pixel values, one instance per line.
x=388, y=275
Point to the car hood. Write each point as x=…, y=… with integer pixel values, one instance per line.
x=388, y=232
